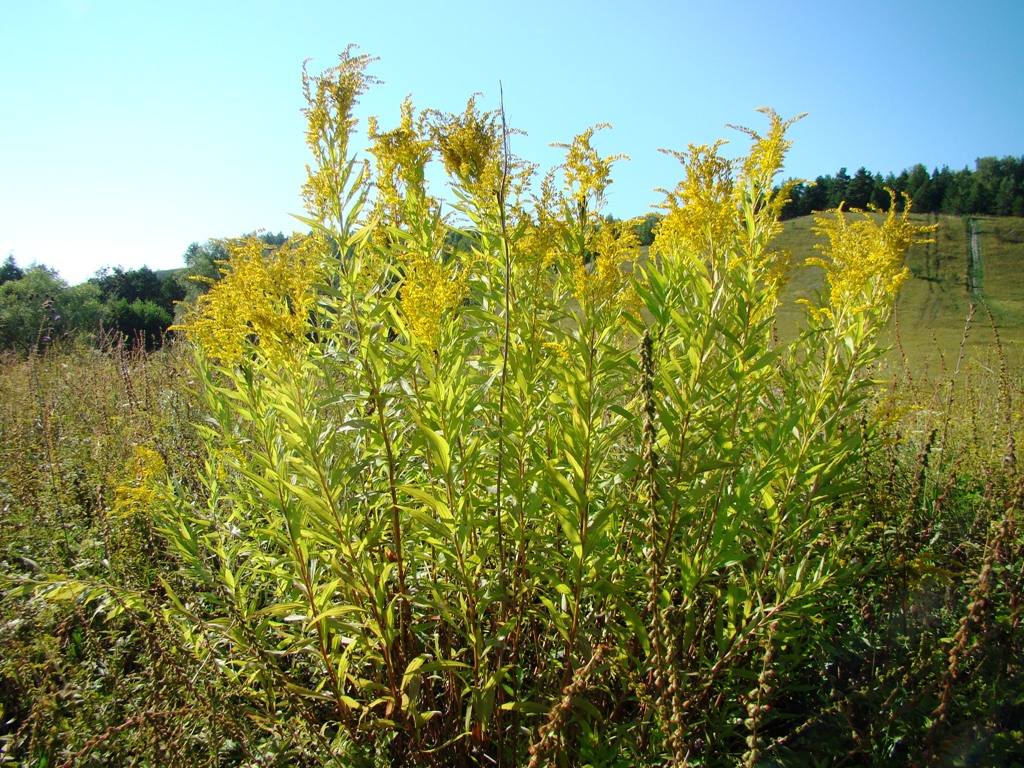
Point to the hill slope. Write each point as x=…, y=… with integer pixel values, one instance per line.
x=934, y=302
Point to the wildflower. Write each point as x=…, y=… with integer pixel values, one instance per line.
x=538, y=247
x=558, y=350
x=616, y=245
x=587, y=174
x=541, y=238
x=263, y=301
x=763, y=163
x=731, y=208
x=701, y=209
x=758, y=192
x=430, y=289
x=331, y=97
x=136, y=495
x=863, y=261
x=400, y=157
x=470, y=146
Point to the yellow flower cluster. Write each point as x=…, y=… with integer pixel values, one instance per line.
x=470, y=145
x=431, y=288
x=330, y=97
x=732, y=207
x=135, y=496
x=557, y=350
x=587, y=174
x=537, y=249
x=763, y=163
x=759, y=170
x=863, y=259
x=264, y=300
x=615, y=245
x=401, y=157
x=702, y=209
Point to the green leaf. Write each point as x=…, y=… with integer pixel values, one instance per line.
x=636, y=624
x=410, y=670
x=441, y=450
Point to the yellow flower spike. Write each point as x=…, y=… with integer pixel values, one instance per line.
x=136, y=495
x=542, y=237
x=701, y=211
x=263, y=302
x=430, y=289
x=764, y=162
x=470, y=146
x=863, y=261
x=774, y=270
x=732, y=207
x=401, y=156
x=604, y=278
x=757, y=191
x=587, y=174
x=331, y=97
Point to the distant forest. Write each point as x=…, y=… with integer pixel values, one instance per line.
x=994, y=188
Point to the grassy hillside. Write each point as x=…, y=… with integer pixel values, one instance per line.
x=934, y=303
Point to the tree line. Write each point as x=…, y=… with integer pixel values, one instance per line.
x=994, y=188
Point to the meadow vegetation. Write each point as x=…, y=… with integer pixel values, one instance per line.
x=394, y=503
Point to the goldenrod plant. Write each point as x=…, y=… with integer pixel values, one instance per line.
x=462, y=507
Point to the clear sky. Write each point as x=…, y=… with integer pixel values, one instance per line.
x=131, y=128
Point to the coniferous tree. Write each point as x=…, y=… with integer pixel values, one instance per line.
x=9, y=270
x=859, y=189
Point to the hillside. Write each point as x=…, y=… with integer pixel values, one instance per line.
x=935, y=301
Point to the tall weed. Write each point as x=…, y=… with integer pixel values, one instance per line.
x=81, y=676
x=477, y=506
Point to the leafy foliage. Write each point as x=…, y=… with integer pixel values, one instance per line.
x=33, y=308
x=10, y=270
x=38, y=307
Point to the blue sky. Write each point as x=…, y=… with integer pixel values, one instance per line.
x=131, y=128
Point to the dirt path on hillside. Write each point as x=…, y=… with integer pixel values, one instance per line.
x=974, y=259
